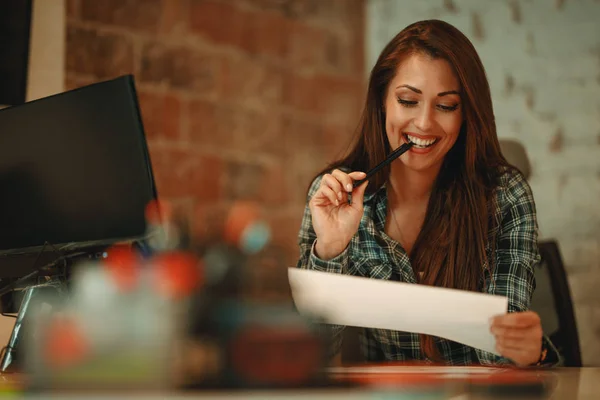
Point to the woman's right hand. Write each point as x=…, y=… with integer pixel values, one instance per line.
x=334, y=220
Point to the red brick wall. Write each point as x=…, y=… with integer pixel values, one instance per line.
x=241, y=99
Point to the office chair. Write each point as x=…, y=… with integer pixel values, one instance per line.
x=552, y=297
x=552, y=301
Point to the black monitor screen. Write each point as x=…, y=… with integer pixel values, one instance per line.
x=15, y=26
x=74, y=169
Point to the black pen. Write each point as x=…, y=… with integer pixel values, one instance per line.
x=393, y=155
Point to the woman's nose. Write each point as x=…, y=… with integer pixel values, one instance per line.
x=423, y=121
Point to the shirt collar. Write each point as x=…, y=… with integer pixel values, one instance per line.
x=377, y=201
x=371, y=196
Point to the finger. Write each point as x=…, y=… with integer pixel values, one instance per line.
x=524, y=319
x=329, y=194
x=515, y=344
x=357, y=175
x=521, y=356
x=358, y=195
x=330, y=181
x=345, y=197
x=516, y=333
x=514, y=354
x=324, y=196
x=344, y=179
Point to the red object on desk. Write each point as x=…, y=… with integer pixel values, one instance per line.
x=178, y=273
x=240, y=217
x=122, y=264
x=66, y=344
x=158, y=211
x=421, y=374
x=275, y=355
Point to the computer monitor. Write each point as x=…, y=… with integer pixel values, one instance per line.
x=15, y=37
x=75, y=170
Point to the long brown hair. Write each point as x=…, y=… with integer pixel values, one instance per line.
x=451, y=247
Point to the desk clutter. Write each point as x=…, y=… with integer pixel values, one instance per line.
x=178, y=313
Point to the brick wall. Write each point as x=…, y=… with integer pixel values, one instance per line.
x=241, y=99
x=543, y=63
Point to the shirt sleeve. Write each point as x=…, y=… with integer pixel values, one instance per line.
x=516, y=255
x=309, y=260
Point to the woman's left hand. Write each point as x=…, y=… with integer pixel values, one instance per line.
x=518, y=336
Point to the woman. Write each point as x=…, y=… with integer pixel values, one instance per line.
x=450, y=212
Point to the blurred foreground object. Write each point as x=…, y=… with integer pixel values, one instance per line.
x=180, y=313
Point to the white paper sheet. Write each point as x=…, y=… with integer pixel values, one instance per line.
x=456, y=315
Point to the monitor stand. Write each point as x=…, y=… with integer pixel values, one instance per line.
x=45, y=298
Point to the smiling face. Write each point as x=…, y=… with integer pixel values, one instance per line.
x=423, y=106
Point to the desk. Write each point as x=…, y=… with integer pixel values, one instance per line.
x=562, y=383
x=464, y=383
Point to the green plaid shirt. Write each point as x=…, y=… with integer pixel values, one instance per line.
x=373, y=254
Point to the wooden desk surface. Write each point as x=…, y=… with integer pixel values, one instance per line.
x=399, y=382
x=481, y=382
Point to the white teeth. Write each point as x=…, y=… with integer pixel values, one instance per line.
x=421, y=142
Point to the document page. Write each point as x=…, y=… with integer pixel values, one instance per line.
x=456, y=315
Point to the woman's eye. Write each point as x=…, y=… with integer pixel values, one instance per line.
x=448, y=108
x=441, y=107
x=407, y=103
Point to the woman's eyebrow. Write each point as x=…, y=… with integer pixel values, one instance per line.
x=414, y=89
x=448, y=92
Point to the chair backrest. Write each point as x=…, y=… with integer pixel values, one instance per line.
x=552, y=301
x=515, y=154
x=552, y=297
